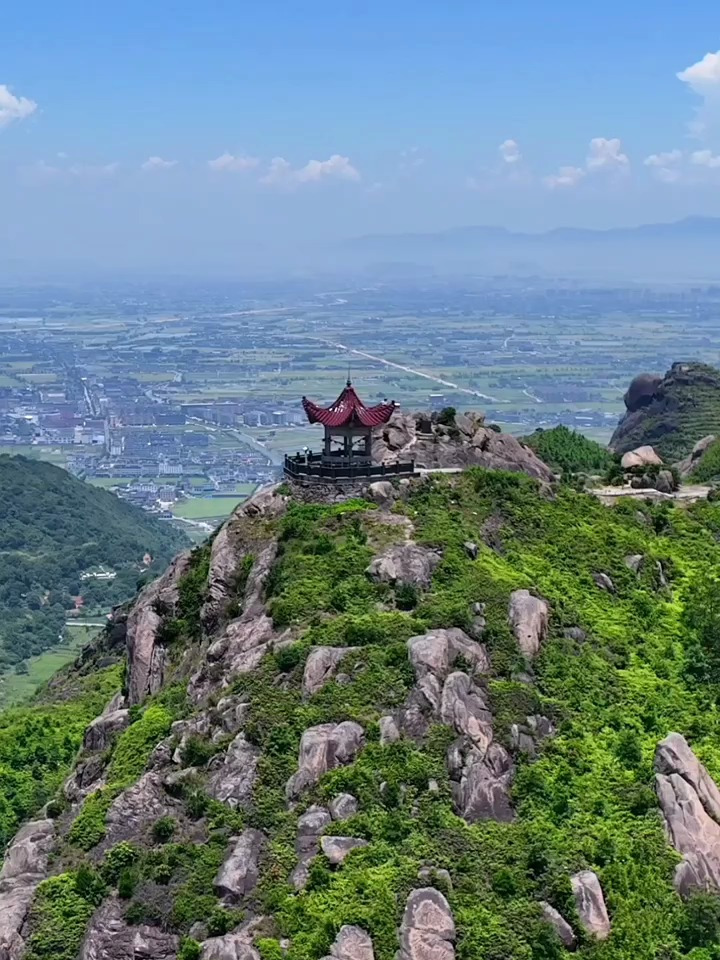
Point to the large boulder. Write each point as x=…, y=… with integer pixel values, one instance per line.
x=146, y=654
x=690, y=802
x=323, y=748
x=529, y=618
x=109, y=937
x=436, y=651
x=405, y=564
x=239, y=872
x=641, y=391
x=640, y=457
x=25, y=865
x=428, y=929
x=559, y=924
x=352, y=943
x=482, y=780
x=320, y=667
x=464, y=707
x=232, y=780
x=590, y=904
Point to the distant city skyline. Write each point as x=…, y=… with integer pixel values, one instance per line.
x=247, y=136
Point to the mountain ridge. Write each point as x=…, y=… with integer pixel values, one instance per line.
x=428, y=717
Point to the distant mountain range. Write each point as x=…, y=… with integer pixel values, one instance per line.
x=684, y=249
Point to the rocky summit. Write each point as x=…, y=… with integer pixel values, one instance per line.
x=670, y=413
x=470, y=715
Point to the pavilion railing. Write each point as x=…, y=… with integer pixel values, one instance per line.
x=316, y=466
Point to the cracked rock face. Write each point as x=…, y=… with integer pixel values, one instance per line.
x=590, y=904
x=233, y=780
x=239, y=872
x=104, y=729
x=24, y=867
x=428, y=929
x=109, y=937
x=320, y=667
x=406, y=564
x=146, y=656
x=529, y=618
x=690, y=802
x=137, y=808
x=323, y=748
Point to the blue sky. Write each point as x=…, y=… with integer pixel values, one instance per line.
x=192, y=134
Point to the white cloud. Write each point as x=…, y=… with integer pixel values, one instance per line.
x=704, y=76
x=565, y=177
x=606, y=155
x=510, y=151
x=705, y=158
x=281, y=173
x=228, y=163
x=666, y=166
x=14, y=108
x=157, y=163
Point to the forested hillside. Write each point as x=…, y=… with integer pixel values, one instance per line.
x=570, y=452
x=54, y=528
x=440, y=725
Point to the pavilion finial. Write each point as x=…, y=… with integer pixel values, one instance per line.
x=349, y=381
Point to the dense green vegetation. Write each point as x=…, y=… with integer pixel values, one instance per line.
x=569, y=451
x=645, y=662
x=39, y=741
x=54, y=528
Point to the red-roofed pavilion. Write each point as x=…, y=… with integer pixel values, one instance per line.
x=348, y=425
x=347, y=445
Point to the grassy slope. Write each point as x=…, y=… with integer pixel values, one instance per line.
x=587, y=802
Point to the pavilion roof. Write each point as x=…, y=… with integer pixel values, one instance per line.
x=348, y=410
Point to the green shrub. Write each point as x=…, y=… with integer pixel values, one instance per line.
x=127, y=882
x=134, y=746
x=189, y=950
x=221, y=921
x=118, y=858
x=163, y=829
x=58, y=918
x=197, y=751
x=88, y=828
